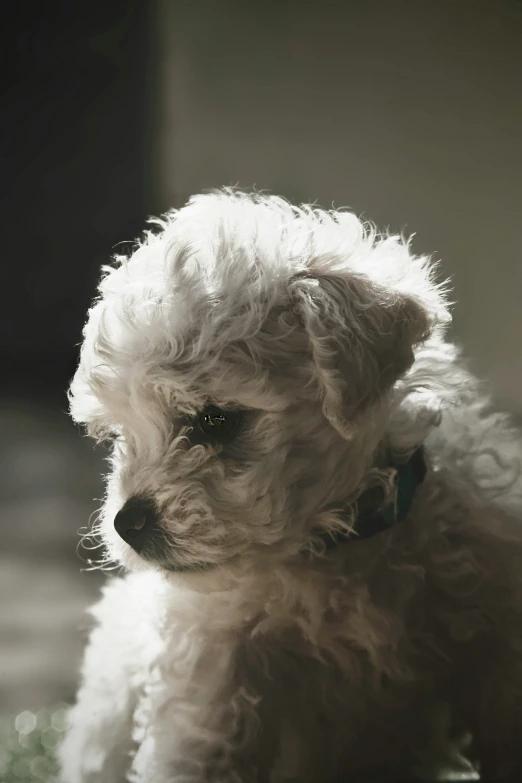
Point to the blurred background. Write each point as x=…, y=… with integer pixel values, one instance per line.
x=407, y=111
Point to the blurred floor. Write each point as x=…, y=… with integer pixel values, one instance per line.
x=49, y=479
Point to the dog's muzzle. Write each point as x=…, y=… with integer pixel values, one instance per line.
x=136, y=522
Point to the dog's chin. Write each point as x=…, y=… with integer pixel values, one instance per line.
x=177, y=562
x=202, y=576
x=198, y=576
x=213, y=579
x=154, y=557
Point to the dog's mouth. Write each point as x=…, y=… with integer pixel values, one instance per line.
x=197, y=567
x=167, y=561
x=172, y=559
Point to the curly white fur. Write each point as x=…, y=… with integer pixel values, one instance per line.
x=246, y=651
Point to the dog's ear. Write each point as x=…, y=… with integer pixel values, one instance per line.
x=361, y=338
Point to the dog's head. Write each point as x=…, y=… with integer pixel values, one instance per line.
x=243, y=361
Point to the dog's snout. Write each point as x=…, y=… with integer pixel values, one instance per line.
x=136, y=522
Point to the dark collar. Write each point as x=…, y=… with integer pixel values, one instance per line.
x=370, y=519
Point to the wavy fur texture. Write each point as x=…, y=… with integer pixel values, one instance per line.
x=245, y=651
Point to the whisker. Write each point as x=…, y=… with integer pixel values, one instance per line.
x=90, y=541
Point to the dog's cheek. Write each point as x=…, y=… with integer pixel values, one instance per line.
x=241, y=496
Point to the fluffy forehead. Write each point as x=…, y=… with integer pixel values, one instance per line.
x=245, y=245
x=210, y=276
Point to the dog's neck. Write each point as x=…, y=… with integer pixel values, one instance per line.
x=373, y=517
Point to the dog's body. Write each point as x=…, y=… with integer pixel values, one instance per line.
x=257, y=641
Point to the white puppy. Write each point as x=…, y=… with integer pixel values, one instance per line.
x=311, y=596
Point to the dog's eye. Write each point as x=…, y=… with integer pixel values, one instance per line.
x=218, y=424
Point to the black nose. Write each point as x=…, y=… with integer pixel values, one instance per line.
x=135, y=522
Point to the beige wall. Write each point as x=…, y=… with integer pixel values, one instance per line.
x=409, y=112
